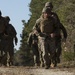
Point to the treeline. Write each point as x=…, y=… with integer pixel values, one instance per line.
x=66, y=12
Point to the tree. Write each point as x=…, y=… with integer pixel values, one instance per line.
x=66, y=12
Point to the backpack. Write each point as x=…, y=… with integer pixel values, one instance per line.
x=11, y=31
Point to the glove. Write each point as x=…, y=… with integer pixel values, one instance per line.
x=52, y=35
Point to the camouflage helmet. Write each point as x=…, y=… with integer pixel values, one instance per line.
x=7, y=18
x=46, y=10
x=48, y=4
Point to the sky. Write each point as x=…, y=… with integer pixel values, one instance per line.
x=17, y=10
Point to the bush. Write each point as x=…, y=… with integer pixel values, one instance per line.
x=69, y=56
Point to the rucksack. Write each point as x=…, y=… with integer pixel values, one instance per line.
x=11, y=31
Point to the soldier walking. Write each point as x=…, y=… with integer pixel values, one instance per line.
x=8, y=40
x=46, y=27
x=58, y=31
x=2, y=30
x=33, y=43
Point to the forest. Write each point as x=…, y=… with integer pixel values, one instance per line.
x=65, y=10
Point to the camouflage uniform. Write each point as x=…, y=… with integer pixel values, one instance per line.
x=33, y=42
x=46, y=27
x=2, y=24
x=7, y=40
x=2, y=31
x=58, y=31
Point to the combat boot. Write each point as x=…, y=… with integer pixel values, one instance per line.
x=47, y=67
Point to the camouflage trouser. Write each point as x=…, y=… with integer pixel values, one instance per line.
x=36, y=54
x=8, y=48
x=58, y=47
x=47, y=50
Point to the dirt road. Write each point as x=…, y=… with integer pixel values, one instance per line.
x=36, y=71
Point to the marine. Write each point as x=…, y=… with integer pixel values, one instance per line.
x=2, y=30
x=8, y=42
x=33, y=43
x=58, y=31
x=46, y=27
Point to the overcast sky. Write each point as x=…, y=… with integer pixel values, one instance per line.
x=17, y=10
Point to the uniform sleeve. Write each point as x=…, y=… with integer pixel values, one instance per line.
x=55, y=16
x=37, y=25
x=63, y=30
x=59, y=24
x=13, y=30
x=29, y=40
x=56, y=21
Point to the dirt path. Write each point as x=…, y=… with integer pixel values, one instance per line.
x=36, y=71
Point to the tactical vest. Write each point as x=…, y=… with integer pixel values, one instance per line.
x=47, y=26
